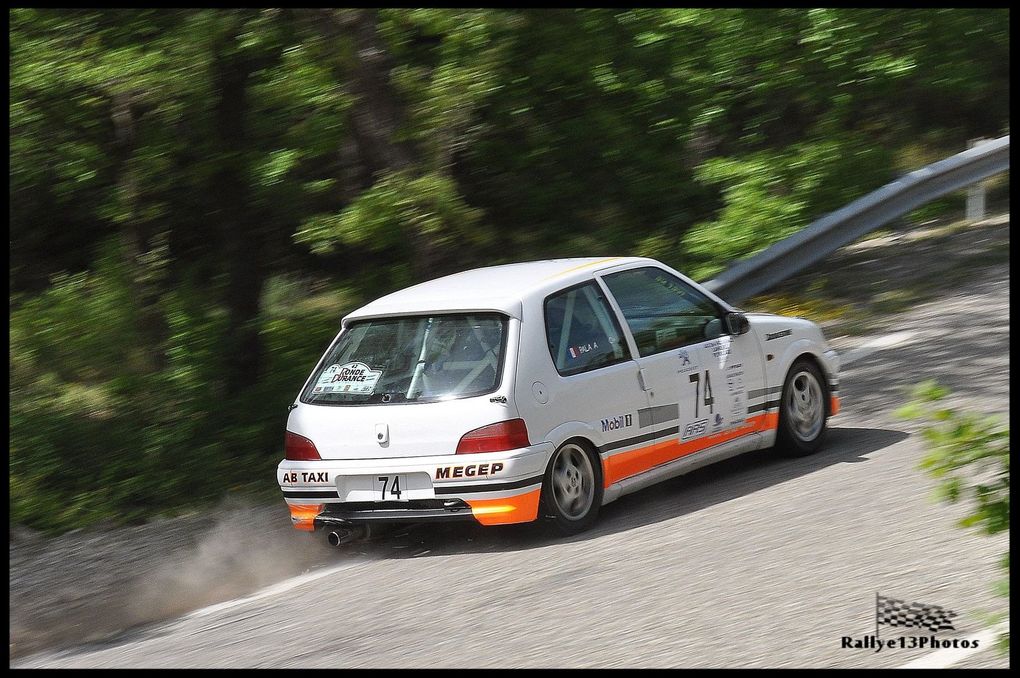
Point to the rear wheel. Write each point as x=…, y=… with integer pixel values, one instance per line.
x=572, y=488
x=802, y=411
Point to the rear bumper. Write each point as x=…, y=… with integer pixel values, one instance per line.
x=493, y=488
x=341, y=513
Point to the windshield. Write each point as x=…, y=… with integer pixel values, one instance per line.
x=411, y=359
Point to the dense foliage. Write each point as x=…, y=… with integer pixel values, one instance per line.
x=197, y=195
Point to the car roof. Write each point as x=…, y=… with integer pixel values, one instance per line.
x=494, y=288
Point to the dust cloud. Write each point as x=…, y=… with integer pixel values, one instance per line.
x=90, y=586
x=241, y=552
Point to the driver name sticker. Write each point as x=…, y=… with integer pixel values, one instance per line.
x=720, y=349
x=354, y=377
x=576, y=351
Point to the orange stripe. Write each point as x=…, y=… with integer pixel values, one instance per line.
x=520, y=508
x=834, y=405
x=633, y=462
x=303, y=515
x=579, y=267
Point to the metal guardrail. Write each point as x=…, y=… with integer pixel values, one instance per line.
x=821, y=238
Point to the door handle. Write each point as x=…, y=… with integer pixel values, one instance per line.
x=642, y=382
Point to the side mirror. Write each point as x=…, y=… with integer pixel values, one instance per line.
x=713, y=329
x=736, y=323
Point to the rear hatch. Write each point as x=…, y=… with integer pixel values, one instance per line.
x=418, y=430
x=406, y=386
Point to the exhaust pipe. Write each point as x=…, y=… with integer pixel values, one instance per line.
x=346, y=534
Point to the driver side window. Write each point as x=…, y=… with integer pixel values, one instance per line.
x=663, y=312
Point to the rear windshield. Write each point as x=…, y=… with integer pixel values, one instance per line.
x=411, y=359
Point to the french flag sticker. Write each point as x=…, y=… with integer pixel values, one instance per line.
x=573, y=353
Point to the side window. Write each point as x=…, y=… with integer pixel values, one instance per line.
x=582, y=331
x=662, y=311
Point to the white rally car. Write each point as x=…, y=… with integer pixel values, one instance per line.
x=543, y=389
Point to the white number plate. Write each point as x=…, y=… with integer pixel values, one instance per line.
x=386, y=487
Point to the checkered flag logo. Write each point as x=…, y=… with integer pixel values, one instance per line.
x=895, y=612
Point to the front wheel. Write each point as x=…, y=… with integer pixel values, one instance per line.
x=802, y=412
x=572, y=488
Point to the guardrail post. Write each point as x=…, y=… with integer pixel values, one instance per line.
x=976, y=191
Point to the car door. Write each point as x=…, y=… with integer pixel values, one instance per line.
x=595, y=380
x=697, y=378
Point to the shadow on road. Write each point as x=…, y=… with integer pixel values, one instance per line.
x=680, y=496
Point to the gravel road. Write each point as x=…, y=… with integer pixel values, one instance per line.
x=758, y=561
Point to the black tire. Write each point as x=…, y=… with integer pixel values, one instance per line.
x=571, y=488
x=803, y=411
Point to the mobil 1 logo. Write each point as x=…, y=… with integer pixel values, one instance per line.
x=618, y=422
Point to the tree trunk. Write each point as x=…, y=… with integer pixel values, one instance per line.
x=377, y=114
x=143, y=254
x=243, y=235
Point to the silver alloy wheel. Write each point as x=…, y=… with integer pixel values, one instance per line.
x=573, y=482
x=805, y=408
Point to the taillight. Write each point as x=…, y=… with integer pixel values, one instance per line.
x=506, y=435
x=300, y=448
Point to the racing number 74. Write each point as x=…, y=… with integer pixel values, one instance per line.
x=695, y=378
x=394, y=487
